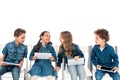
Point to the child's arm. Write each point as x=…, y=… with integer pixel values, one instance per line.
x=32, y=56
x=79, y=52
x=94, y=58
x=59, y=61
x=115, y=59
x=21, y=63
x=53, y=55
x=2, y=60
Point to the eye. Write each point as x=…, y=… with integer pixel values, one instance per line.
x=22, y=37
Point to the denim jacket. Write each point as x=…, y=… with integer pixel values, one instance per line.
x=14, y=53
x=62, y=55
x=107, y=57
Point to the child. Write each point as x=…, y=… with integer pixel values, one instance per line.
x=69, y=50
x=14, y=52
x=104, y=55
x=43, y=67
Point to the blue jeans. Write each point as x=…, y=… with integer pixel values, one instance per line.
x=99, y=75
x=76, y=70
x=15, y=70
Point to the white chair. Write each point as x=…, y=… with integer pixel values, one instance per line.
x=106, y=76
x=30, y=63
x=65, y=74
x=8, y=76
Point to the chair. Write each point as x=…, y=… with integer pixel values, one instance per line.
x=8, y=76
x=30, y=63
x=92, y=68
x=65, y=74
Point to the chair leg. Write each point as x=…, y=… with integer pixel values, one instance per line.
x=56, y=77
x=0, y=78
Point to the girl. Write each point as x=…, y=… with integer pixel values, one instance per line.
x=103, y=55
x=68, y=50
x=43, y=67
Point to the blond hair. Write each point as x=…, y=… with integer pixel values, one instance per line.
x=67, y=44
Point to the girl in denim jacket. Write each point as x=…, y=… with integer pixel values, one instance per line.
x=69, y=50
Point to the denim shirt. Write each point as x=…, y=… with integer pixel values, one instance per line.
x=47, y=49
x=107, y=57
x=62, y=55
x=14, y=53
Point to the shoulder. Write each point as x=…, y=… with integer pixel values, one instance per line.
x=95, y=46
x=49, y=46
x=10, y=44
x=74, y=45
x=23, y=47
x=109, y=47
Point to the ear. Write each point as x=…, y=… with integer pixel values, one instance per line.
x=15, y=37
x=41, y=37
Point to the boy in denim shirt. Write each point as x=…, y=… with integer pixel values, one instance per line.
x=14, y=52
x=103, y=55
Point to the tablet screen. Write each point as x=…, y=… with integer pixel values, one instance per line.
x=106, y=68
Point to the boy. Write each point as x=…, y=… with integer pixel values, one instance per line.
x=14, y=52
x=103, y=55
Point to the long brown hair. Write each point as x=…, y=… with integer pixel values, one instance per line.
x=67, y=44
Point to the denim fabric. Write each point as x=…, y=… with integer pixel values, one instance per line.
x=99, y=75
x=15, y=70
x=107, y=57
x=14, y=53
x=76, y=52
x=76, y=71
x=43, y=67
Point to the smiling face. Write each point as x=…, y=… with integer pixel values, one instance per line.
x=46, y=37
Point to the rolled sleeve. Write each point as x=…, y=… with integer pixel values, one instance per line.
x=5, y=50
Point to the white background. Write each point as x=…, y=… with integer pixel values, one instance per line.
x=80, y=17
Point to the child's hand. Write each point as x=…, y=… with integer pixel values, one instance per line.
x=51, y=58
x=57, y=68
x=76, y=58
x=2, y=64
x=98, y=66
x=34, y=57
x=0, y=60
x=20, y=65
x=116, y=68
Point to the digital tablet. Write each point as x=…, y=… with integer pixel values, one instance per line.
x=75, y=62
x=108, y=69
x=9, y=63
x=43, y=55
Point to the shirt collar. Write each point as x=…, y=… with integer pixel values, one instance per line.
x=15, y=44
